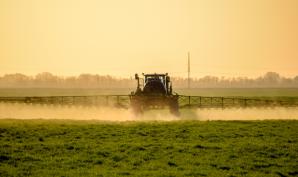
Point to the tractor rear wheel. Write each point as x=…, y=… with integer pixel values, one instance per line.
x=174, y=106
x=136, y=105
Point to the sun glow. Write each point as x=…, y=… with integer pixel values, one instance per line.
x=225, y=38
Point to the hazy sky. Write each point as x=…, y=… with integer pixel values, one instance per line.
x=121, y=37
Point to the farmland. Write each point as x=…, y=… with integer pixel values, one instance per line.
x=54, y=146
x=198, y=97
x=179, y=148
x=245, y=92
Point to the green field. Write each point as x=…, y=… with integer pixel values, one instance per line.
x=245, y=92
x=288, y=96
x=181, y=148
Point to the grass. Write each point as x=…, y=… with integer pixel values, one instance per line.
x=182, y=148
x=287, y=95
x=245, y=92
x=61, y=91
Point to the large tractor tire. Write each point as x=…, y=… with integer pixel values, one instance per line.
x=137, y=105
x=174, y=106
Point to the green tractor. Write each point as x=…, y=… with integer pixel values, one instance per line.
x=154, y=91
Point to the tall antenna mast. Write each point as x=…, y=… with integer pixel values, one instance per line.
x=188, y=56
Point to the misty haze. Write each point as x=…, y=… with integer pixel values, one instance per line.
x=48, y=80
x=148, y=88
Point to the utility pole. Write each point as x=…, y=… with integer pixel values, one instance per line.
x=188, y=56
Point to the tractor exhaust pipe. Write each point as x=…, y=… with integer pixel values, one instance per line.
x=138, y=79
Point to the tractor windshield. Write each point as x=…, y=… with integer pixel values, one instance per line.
x=149, y=78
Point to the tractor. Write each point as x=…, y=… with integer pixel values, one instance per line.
x=154, y=91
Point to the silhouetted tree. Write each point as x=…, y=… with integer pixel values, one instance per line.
x=48, y=80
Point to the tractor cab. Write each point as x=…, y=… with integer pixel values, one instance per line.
x=154, y=84
x=154, y=91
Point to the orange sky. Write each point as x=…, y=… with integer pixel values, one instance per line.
x=224, y=37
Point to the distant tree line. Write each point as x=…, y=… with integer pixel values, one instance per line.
x=269, y=80
x=48, y=80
